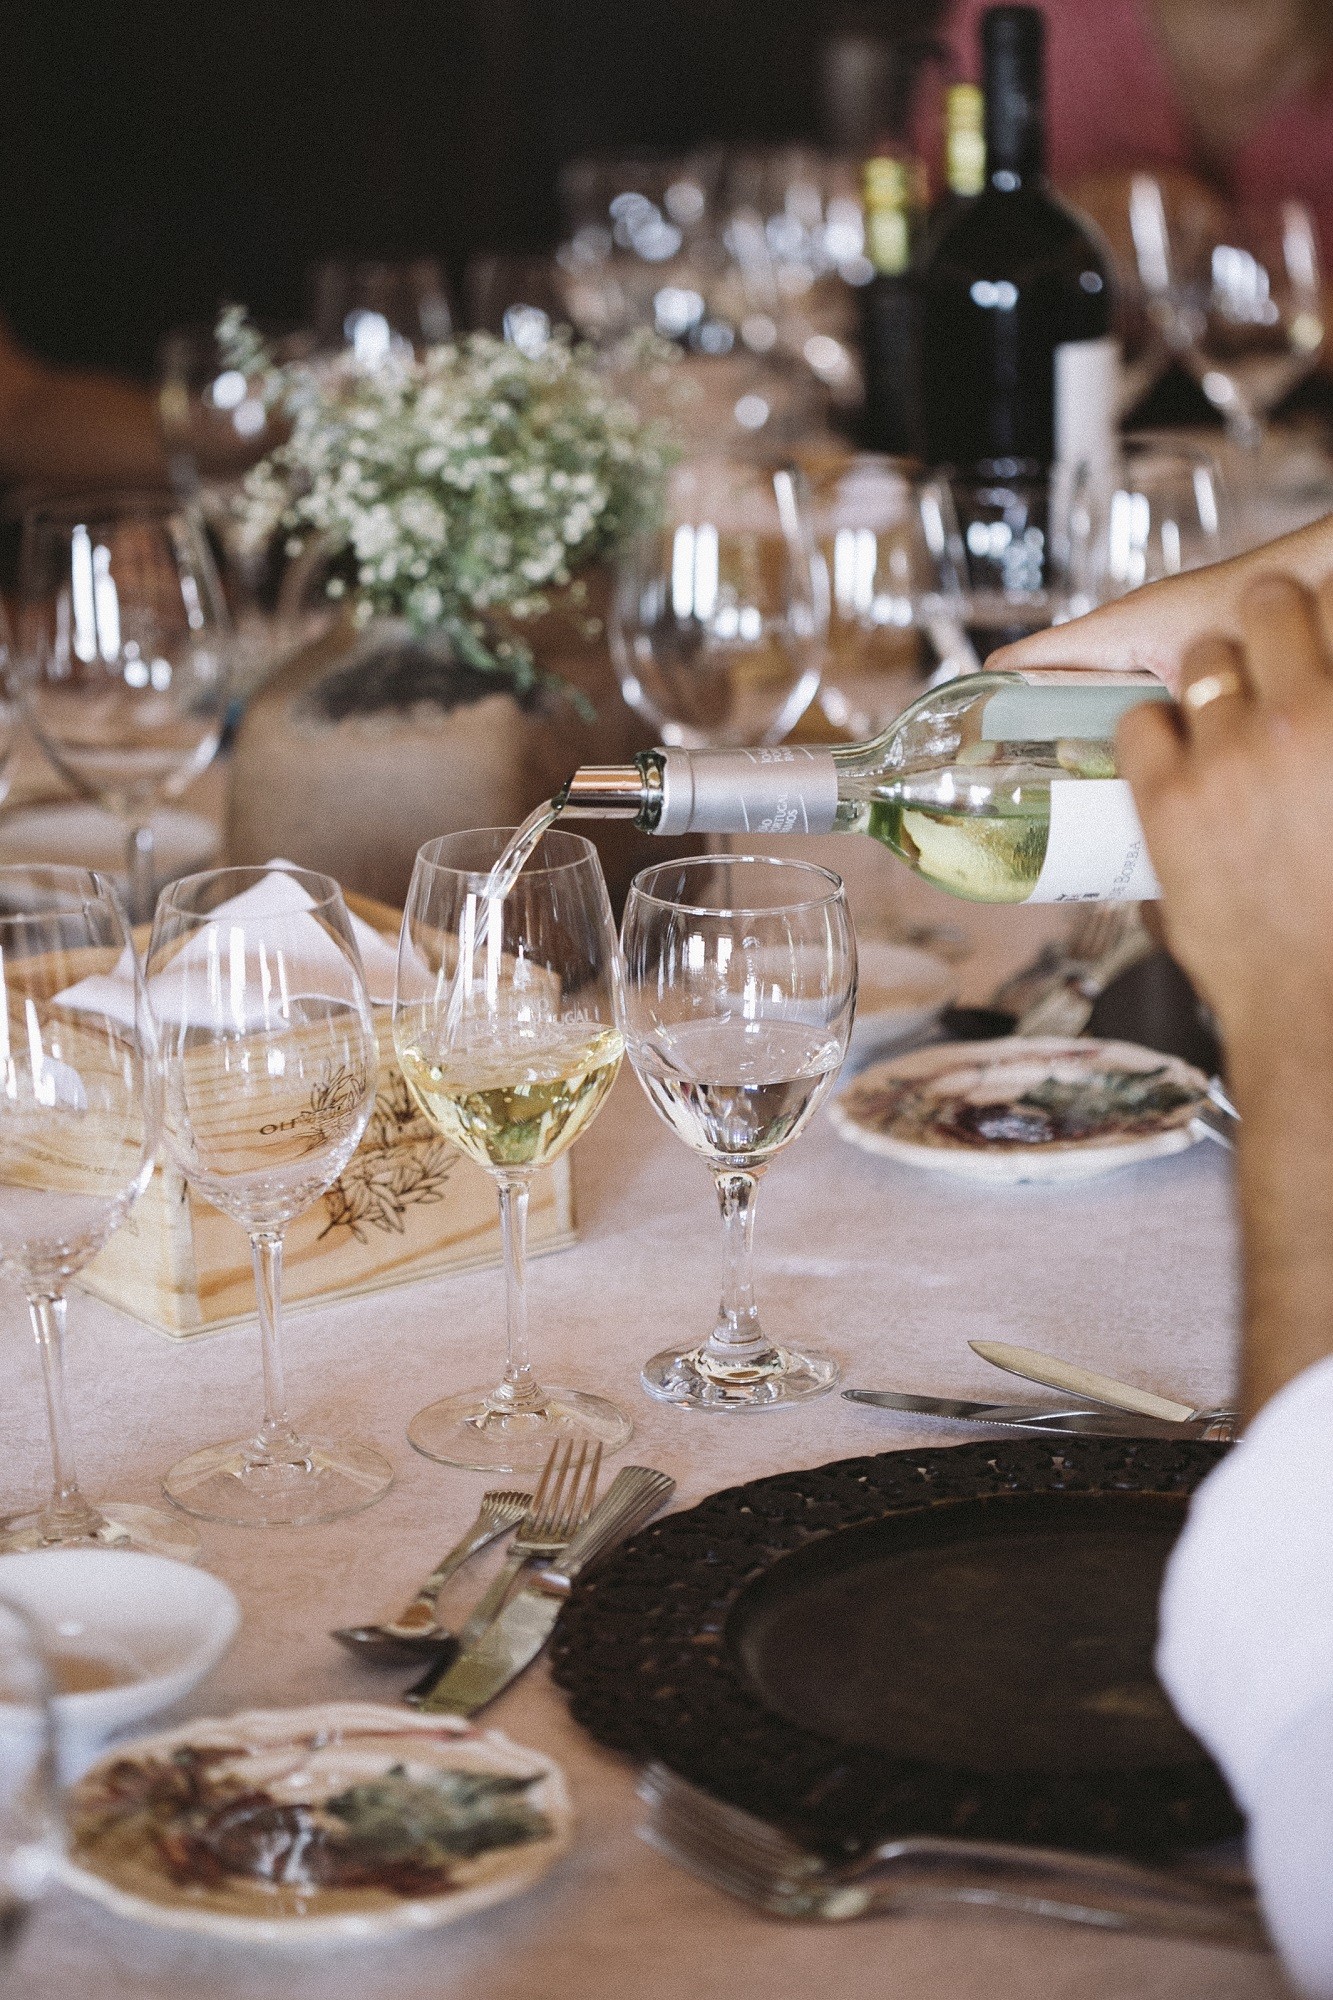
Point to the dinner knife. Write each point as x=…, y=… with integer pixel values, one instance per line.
x=1032, y=1417
x=520, y=1631
x=1071, y=1381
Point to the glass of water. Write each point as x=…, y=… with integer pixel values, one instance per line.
x=740, y=989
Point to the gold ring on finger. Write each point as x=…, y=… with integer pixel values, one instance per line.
x=1212, y=687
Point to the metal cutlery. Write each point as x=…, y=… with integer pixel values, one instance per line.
x=904, y=1876
x=515, y=1638
x=1052, y=1373
x=1102, y=1422
x=1111, y=943
x=558, y=1508
x=416, y=1631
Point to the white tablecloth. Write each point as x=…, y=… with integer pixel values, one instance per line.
x=890, y=1270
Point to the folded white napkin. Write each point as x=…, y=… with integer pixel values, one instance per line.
x=301, y=951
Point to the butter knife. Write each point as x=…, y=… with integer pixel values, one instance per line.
x=1053, y=1373
x=516, y=1637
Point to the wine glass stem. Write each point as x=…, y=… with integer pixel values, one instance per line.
x=67, y=1511
x=518, y=1390
x=266, y=1253
x=738, y=1333
x=141, y=870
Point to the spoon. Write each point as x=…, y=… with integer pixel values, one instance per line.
x=415, y=1632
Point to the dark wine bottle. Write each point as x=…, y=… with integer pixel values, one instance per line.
x=1017, y=355
x=889, y=308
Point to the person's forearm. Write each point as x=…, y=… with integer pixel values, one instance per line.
x=1150, y=629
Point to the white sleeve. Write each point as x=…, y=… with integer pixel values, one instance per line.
x=1246, y=1652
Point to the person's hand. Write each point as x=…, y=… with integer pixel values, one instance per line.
x=1235, y=791
x=1152, y=629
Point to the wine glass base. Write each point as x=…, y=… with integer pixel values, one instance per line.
x=125, y=1525
x=676, y=1377
x=241, y=1484
x=469, y=1431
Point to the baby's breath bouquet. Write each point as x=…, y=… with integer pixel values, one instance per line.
x=463, y=487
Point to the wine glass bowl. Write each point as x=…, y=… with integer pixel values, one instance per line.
x=1158, y=510
x=78, y=1131
x=122, y=656
x=719, y=614
x=269, y=1066
x=1009, y=555
x=740, y=979
x=506, y=1024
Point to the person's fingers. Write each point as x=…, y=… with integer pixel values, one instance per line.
x=1149, y=747
x=1214, y=690
x=1284, y=647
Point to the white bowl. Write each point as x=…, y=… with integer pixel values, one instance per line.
x=900, y=991
x=156, y=1626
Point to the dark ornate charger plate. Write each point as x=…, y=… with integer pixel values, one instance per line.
x=951, y=1641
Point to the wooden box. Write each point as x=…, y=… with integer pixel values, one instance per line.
x=407, y=1204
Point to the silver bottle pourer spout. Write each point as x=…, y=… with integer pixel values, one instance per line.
x=611, y=791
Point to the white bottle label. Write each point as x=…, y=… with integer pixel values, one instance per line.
x=1087, y=400
x=1095, y=850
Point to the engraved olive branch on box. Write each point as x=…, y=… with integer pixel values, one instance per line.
x=401, y=1163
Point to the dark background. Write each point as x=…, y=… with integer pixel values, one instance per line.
x=159, y=156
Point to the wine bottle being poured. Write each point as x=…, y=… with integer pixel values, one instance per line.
x=1000, y=787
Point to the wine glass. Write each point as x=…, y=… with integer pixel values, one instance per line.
x=1159, y=510
x=506, y=1023
x=31, y=1827
x=719, y=614
x=1239, y=299
x=1005, y=518
x=78, y=1129
x=122, y=656
x=380, y=309
x=890, y=548
x=269, y=1066
x=740, y=981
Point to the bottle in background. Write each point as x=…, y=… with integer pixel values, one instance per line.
x=1017, y=355
x=964, y=144
x=888, y=306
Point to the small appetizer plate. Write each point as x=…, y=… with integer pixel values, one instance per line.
x=1037, y=1108
x=339, y=1824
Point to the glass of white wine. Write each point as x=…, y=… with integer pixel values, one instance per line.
x=740, y=988
x=506, y=1023
x=78, y=1129
x=269, y=1064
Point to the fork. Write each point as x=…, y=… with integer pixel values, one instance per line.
x=908, y=1875
x=1102, y=943
x=559, y=1507
x=416, y=1627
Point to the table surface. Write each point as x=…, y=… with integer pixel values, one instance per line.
x=891, y=1270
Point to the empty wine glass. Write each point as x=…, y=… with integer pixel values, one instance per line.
x=78, y=1129
x=1239, y=299
x=380, y=308
x=1158, y=510
x=720, y=613
x=269, y=1066
x=506, y=1023
x=31, y=1826
x=121, y=657
x=890, y=548
x=740, y=986
x=1004, y=526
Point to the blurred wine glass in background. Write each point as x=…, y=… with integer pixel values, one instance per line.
x=719, y=615
x=1162, y=508
x=1238, y=297
x=1006, y=530
x=123, y=656
x=379, y=307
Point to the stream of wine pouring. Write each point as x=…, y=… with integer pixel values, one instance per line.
x=499, y=882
